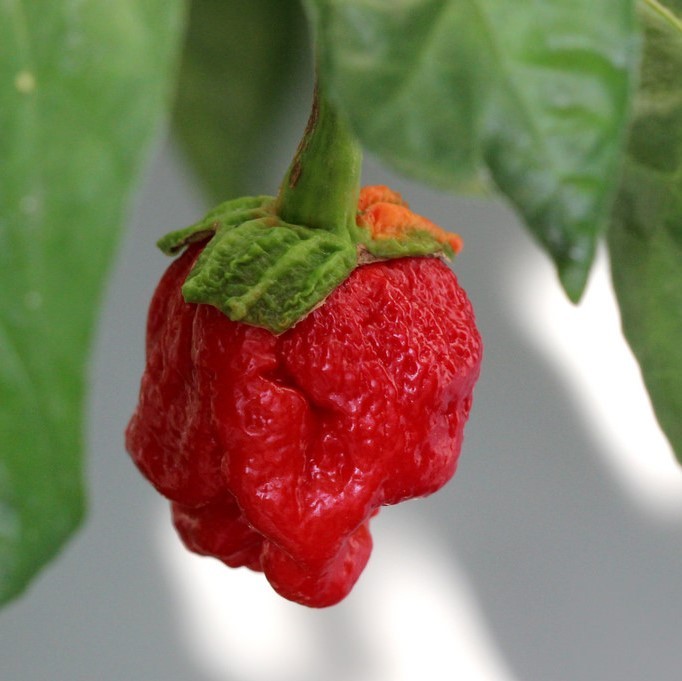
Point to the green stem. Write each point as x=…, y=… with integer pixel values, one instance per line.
x=321, y=186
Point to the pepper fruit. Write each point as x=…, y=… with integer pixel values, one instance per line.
x=276, y=446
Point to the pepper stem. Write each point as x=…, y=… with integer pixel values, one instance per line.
x=321, y=186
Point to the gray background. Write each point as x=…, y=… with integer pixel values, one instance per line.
x=536, y=554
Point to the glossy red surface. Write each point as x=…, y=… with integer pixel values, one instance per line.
x=277, y=450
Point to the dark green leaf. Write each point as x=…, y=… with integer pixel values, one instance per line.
x=83, y=87
x=237, y=68
x=533, y=94
x=645, y=239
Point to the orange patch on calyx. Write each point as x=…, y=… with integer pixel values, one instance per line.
x=387, y=216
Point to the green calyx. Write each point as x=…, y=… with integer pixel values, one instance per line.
x=258, y=269
x=271, y=260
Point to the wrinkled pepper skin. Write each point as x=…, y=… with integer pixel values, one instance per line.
x=276, y=451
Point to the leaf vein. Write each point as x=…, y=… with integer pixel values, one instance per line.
x=665, y=12
x=510, y=81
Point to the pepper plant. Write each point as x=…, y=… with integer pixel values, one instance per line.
x=569, y=109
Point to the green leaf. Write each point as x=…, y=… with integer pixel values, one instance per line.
x=238, y=66
x=645, y=239
x=534, y=95
x=83, y=88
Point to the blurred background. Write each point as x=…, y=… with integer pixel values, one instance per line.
x=555, y=554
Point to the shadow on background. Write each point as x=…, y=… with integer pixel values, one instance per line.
x=575, y=579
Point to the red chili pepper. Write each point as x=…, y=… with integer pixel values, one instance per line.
x=276, y=450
